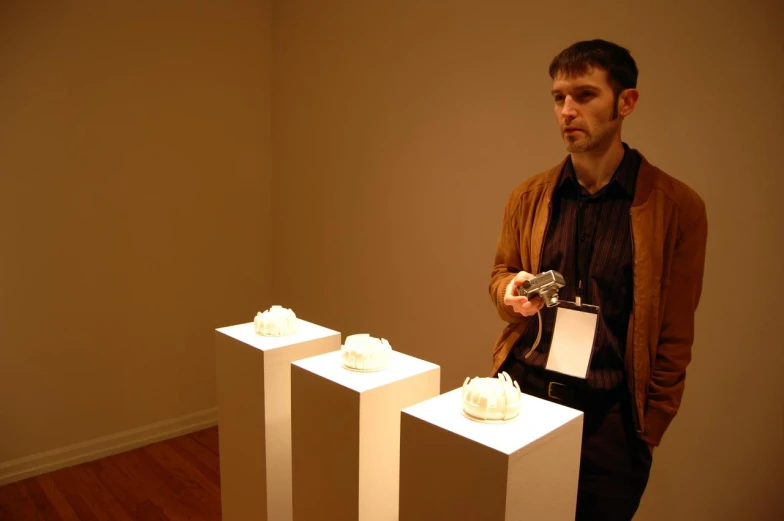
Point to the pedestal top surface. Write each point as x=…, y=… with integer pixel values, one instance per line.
x=246, y=333
x=538, y=419
x=328, y=366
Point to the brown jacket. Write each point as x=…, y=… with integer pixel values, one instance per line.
x=669, y=233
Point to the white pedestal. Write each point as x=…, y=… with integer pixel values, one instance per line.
x=525, y=469
x=346, y=435
x=254, y=416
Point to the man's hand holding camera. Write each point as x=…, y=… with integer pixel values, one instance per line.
x=520, y=304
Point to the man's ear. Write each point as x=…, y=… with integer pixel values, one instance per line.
x=627, y=101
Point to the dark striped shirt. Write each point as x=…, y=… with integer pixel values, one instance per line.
x=593, y=228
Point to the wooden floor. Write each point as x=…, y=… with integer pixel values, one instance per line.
x=172, y=480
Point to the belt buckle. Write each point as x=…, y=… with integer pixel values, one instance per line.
x=550, y=390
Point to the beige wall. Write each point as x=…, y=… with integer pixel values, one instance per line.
x=134, y=189
x=399, y=128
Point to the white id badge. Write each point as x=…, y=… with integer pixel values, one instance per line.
x=573, y=338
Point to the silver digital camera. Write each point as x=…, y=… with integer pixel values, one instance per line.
x=545, y=285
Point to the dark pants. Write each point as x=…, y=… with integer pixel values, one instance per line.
x=614, y=462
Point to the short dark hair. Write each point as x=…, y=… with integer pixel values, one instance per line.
x=576, y=59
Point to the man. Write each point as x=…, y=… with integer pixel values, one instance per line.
x=628, y=239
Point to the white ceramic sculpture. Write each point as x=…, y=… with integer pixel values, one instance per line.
x=363, y=352
x=491, y=399
x=276, y=321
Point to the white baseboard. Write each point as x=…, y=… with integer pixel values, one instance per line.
x=48, y=461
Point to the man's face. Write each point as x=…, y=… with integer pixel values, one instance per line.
x=587, y=110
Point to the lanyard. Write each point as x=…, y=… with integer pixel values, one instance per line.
x=583, y=255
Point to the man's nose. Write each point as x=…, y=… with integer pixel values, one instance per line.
x=569, y=109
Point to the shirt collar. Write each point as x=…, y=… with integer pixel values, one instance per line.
x=624, y=177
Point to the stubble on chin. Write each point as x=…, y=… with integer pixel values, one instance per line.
x=575, y=146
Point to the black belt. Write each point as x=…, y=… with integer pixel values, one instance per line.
x=557, y=388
